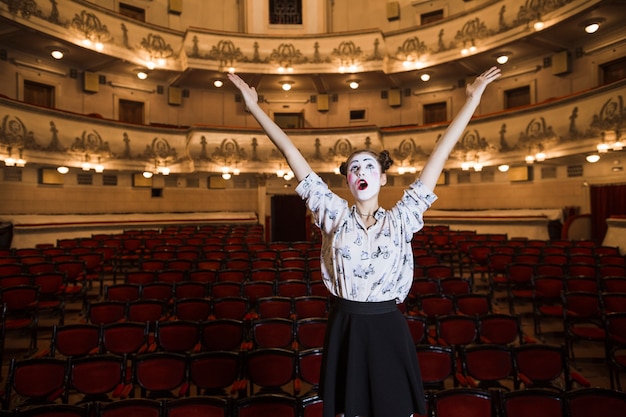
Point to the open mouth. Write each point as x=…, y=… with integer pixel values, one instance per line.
x=362, y=185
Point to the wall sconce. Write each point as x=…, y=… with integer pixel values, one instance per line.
x=593, y=158
x=613, y=144
x=163, y=170
x=226, y=173
x=63, y=170
x=14, y=162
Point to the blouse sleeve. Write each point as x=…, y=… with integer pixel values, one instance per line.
x=415, y=201
x=326, y=207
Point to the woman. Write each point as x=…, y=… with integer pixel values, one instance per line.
x=370, y=367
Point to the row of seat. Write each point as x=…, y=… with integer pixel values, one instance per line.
x=531, y=402
x=587, y=402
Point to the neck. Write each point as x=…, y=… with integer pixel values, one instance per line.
x=365, y=215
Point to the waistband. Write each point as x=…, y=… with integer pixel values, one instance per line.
x=361, y=307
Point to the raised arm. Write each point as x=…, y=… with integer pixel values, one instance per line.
x=445, y=144
x=296, y=161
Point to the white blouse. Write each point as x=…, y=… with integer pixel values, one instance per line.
x=366, y=264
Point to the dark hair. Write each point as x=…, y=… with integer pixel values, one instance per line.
x=383, y=158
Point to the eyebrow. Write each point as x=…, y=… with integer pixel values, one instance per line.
x=367, y=158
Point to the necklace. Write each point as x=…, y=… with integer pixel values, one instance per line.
x=365, y=215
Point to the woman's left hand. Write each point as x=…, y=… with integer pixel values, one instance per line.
x=476, y=88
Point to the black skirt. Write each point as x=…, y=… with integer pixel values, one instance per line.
x=370, y=365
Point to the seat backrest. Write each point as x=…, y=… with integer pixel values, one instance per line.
x=595, y=402
x=465, y=402
x=212, y=372
x=196, y=406
x=125, y=338
x=222, y=334
x=76, y=339
x=533, y=402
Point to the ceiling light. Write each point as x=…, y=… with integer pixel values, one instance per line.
x=538, y=25
x=63, y=170
x=502, y=59
x=218, y=83
x=425, y=76
x=57, y=53
x=142, y=75
x=540, y=157
x=98, y=168
x=226, y=176
x=354, y=84
x=503, y=168
x=593, y=158
x=592, y=25
x=529, y=159
x=147, y=174
x=286, y=85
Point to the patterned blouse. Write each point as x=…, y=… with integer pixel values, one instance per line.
x=366, y=264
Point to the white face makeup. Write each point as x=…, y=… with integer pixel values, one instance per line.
x=364, y=176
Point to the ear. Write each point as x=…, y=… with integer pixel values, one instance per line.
x=383, y=179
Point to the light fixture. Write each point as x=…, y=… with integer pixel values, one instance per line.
x=503, y=168
x=502, y=57
x=538, y=25
x=465, y=166
x=147, y=174
x=288, y=176
x=280, y=172
x=86, y=166
x=163, y=170
x=425, y=76
x=150, y=65
x=218, y=83
x=618, y=145
x=478, y=166
x=530, y=159
x=142, y=75
x=57, y=53
x=603, y=147
x=286, y=85
x=63, y=170
x=540, y=156
x=593, y=158
x=592, y=25
x=99, y=168
x=354, y=84
x=14, y=162
x=226, y=173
